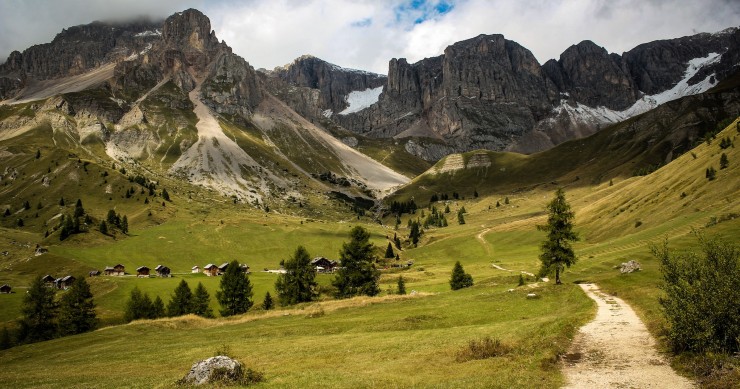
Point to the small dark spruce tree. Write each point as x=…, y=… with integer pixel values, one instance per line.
x=139, y=306
x=557, y=253
x=389, y=251
x=235, y=295
x=358, y=274
x=459, y=278
x=39, y=312
x=181, y=302
x=298, y=283
x=202, y=302
x=401, y=285
x=77, y=309
x=724, y=162
x=267, y=303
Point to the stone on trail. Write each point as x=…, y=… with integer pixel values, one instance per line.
x=202, y=371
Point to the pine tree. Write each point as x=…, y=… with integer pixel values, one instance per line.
x=267, y=303
x=26, y=205
x=38, y=153
x=7, y=212
x=39, y=312
x=724, y=162
x=79, y=211
x=506, y=200
x=298, y=283
x=202, y=302
x=460, y=218
x=139, y=306
x=557, y=253
x=165, y=194
x=459, y=278
x=711, y=174
x=181, y=302
x=358, y=274
x=77, y=309
x=103, y=228
x=157, y=309
x=401, y=285
x=19, y=222
x=111, y=217
x=447, y=209
x=124, y=225
x=61, y=202
x=415, y=233
x=235, y=295
x=389, y=251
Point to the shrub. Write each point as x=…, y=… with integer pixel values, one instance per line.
x=701, y=295
x=482, y=349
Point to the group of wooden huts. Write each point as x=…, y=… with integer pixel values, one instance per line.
x=212, y=270
x=62, y=283
x=141, y=271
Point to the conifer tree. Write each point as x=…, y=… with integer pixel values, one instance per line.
x=39, y=312
x=235, y=295
x=389, y=251
x=61, y=201
x=124, y=225
x=447, y=209
x=724, y=162
x=157, y=308
x=267, y=303
x=6, y=341
x=298, y=283
x=79, y=210
x=460, y=218
x=202, y=302
x=77, y=309
x=181, y=302
x=415, y=233
x=358, y=274
x=165, y=194
x=557, y=253
x=401, y=285
x=459, y=278
x=139, y=306
x=103, y=227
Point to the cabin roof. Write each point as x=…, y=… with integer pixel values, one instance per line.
x=140, y=268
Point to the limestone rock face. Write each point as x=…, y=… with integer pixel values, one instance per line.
x=588, y=74
x=202, y=371
x=333, y=82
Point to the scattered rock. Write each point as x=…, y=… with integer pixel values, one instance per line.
x=203, y=371
x=510, y=290
x=532, y=296
x=545, y=279
x=629, y=267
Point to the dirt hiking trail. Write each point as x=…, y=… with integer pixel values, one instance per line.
x=615, y=350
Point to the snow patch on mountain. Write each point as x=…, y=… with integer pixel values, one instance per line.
x=359, y=100
x=601, y=115
x=148, y=33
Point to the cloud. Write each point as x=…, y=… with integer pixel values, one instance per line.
x=366, y=34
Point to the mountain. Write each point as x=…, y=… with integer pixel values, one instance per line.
x=491, y=93
x=169, y=99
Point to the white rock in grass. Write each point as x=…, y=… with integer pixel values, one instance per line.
x=201, y=371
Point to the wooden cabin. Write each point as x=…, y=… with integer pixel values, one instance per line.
x=94, y=273
x=195, y=269
x=142, y=271
x=162, y=271
x=117, y=270
x=65, y=282
x=324, y=265
x=222, y=268
x=5, y=289
x=210, y=270
x=245, y=268
x=48, y=280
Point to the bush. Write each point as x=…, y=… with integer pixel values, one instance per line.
x=701, y=296
x=482, y=349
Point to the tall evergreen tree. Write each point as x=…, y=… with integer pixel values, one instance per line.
x=124, y=225
x=79, y=210
x=460, y=217
x=357, y=275
x=235, y=295
x=401, y=285
x=557, y=253
x=724, y=162
x=298, y=283
x=157, y=309
x=389, y=251
x=202, y=302
x=77, y=309
x=103, y=227
x=459, y=278
x=6, y=341
x=138, y=306
x=415, y=233
x=39, y=312
x=267, y=303
x=181, y=302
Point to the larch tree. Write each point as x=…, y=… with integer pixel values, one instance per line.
x=77, y=309
x=556, y=251
x=202, y=301
x=39, y=312
x=235, y=295
x=298, y=283
x=181, y=302
x=358, y=274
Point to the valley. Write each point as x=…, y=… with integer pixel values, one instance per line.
x=163, y=147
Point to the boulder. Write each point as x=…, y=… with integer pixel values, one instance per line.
x=202, y=372
x=629, y=267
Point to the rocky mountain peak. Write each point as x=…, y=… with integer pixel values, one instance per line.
x=189, y=29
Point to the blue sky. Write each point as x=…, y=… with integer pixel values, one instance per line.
x=366, y=34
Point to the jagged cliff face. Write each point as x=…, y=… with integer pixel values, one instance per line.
x=491, y=93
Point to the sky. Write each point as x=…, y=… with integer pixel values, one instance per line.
x=366, y=34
